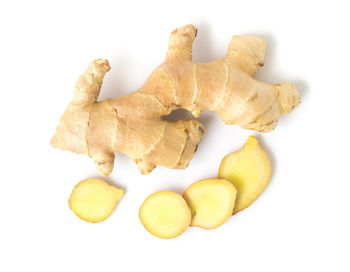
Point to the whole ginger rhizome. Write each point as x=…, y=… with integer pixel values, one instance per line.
x=133, y=124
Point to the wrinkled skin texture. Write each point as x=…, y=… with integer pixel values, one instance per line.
x=134, y=125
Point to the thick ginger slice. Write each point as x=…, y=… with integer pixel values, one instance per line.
x=249, y=170
x=212, y=202
x=93, y=199
x=134, y=125
x=165, y=214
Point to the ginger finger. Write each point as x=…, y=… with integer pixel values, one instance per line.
x=133, y=124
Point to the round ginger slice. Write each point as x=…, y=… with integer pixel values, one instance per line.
x=94, y=200
x=249, y=170
x=212, y=201
x=165, y=214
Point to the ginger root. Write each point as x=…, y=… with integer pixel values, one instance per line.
x=134, y=125
x=249, y=170
x=93, y=199
x=165, y=214
x=212, y=202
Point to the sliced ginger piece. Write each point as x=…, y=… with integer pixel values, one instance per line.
x=212, y=202
x=93, y=199
x=249, y=170
x=165, y=214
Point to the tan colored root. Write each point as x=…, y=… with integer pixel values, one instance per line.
x=134, y=125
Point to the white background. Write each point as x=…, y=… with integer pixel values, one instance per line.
x=300, y=223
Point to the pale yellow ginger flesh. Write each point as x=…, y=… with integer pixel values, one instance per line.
x=134, y=125
x=212, y=202
x=249, y=170
x=165, y=214
x=93, y=199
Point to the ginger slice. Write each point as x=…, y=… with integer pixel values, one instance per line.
x=93, y=199
x=165, y=214
x=249, y=170
x=212, y=201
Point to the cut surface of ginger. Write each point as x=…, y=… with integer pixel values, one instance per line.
x=165, y=214
x=94, y=200
x=249, y=170
x=212, y=202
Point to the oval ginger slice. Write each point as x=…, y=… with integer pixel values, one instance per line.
x=212, y=201
x=165, y=214
x=94, y=200
x=249, y=170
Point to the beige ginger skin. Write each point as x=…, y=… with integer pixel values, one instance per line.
x=133, y=124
